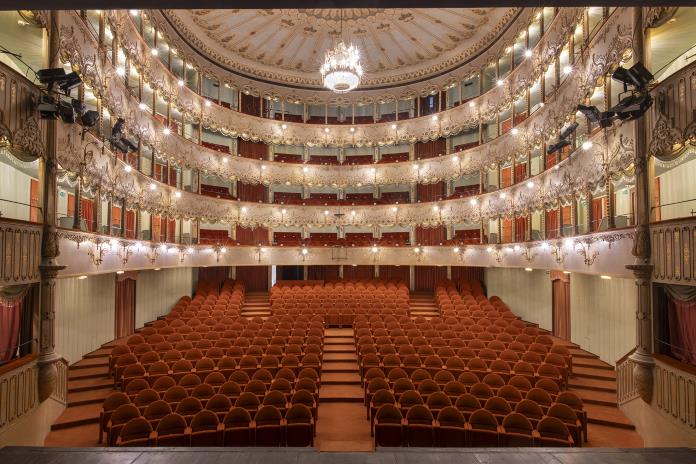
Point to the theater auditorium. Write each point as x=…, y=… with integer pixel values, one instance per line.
x=402, y=232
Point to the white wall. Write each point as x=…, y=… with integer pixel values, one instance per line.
x=677, y=185
x=528, y=294
x=157, y=291
x=84, y=315
x=602, y=315
x=14, y=186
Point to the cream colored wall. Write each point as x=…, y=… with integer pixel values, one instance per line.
x=528, y=294
x=602, y=315
x=84, y=315
x=32, y=428
x=157, y=291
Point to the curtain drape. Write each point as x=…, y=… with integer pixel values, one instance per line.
x=249, y=149
x=255, y=278
x=10, y=321
x=252, y=236
x=681, y=318
x=358, y=272
x=550, y=224
x=213, y=274
x=251, y=192
x=427, y=276
x=467, y=273
x=322, y=272
x=597, y=213
x=431, y=192
x=430, y=149
x=125, y=306
x=430, y=235
x=399, y=273
x=87, y=212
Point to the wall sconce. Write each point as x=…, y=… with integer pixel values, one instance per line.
x=375, y=253
x=586, y=252
x=497, y=253
x=419, y=251
x=153, y=254
x=461, y=251
x=125, y=252
x=260, y=251
x=183, y=252
x=527, y=253
x=219, y=250
x=558, y=252
x=304, y=252
x=97, y=252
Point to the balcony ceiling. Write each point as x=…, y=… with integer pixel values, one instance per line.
x=398, y=46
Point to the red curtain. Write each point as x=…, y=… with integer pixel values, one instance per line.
x=255, y=278
x=431, y=192
x=551, y=225
x=71, y=205
x=467, y=273
x=251, y=192
x=506, y=229
x=10, y=320
x=430, y=235
x=520, y=172
x=597, y=213
x=468, y=235
x=251, y=236
x=216, y=274
x=322, y=272
x=250, y=104
x=395, y=197
x=681, y=316
x=157, y=228
x=249, y=149
x=358, y=272
x=505, y=177
x=400, y=273
x=430, y=149
x=125, y=305
x=520, y=228
x=426, y=276
x=87, y=212
x=130, y=224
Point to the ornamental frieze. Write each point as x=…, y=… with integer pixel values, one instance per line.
x=585, y=169
x=605, y=50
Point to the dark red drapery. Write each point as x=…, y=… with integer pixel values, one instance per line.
x=430, y=149
x=251, y=236
x=358, y=272
x=431, y=192
x=216, y=274
x=561, y=304
x=426, y=276
x=430, y=235
x=249, y=149
x=400, y=273
x=10, y=320
x=322, y=272
x=255, y=278
x=251, y=192
x=681, y=317
x=87, y=212
x=467, y=273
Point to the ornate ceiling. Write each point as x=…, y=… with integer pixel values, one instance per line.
x=399, y=46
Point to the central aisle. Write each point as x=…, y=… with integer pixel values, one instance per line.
x=342, y=423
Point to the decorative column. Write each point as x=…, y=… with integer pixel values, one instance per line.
x=48, y=375
x=78, y=203
x=642, y=358
x=610, y=204
x=574, y=214
x=138, y=223
x=590, y=214
x=123, y=218
x=97, y=223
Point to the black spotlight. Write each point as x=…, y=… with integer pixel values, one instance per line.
x=633, y=106
x=47, y=107
x=117, y=130
x=50, y=76
x=88, y=118
x=66, y=111
x=70, y=82
x=568, y=131
x=592, y=113
x=636, y=76
x=557, y=146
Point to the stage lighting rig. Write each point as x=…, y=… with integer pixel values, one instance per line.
x=118, y=140
x=592, y=113
x=636, y=76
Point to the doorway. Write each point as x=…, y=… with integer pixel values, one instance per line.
x=560, y=286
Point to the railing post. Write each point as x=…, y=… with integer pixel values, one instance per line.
x=48, y=374
x=644, y=363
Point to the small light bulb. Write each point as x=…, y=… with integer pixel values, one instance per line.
x=499, y=82
x=154, y=52
x=189, y=249
x=326, y=129
x=436, y=208
x=207, y=103
x=352, y=129
x=180, y=83
x=244, y=209
x=605, y=277
x=456, y=249
x=223, y=250
x=586, y=145
x=375, y=249
x=305, y=251
x=472, y=104
x=394, y=209
x=530, y=184
x=567, y=69
x=515, y=131
x=489, y=249
x=177, y=194
x=166, y=131
x=284, y=126
x=528, y=269
x=142, y=106
x=352, y=213
x=527, y=53
x=263, y=167
x=435, y=117
x=503, y=195
x=473, y=201
x=120, y=71
x=128, y=168
x=153, y=186
x=82, y=277
x=326, y=212
x=305, y=169
x=120, y=272
x=225, y=159
x=283, y=211
x=393, y=126
x=134, y=12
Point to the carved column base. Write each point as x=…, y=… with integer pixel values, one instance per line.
x=643, y=368
x=48, y=375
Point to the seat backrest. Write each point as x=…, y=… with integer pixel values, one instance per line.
x=237, y=417
x=204, y=420
x=136, y=428
x=517, y=423
x=268, y=415
x=171, y=424
x=388, y=413
x=450, y=417
x=419, y=414
x=483, y=419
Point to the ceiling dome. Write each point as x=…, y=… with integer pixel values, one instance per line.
x=399, y=46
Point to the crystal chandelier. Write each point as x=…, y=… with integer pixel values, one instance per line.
x=341, y=70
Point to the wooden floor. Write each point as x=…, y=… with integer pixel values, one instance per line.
x=29, y=455
x=342, y=424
